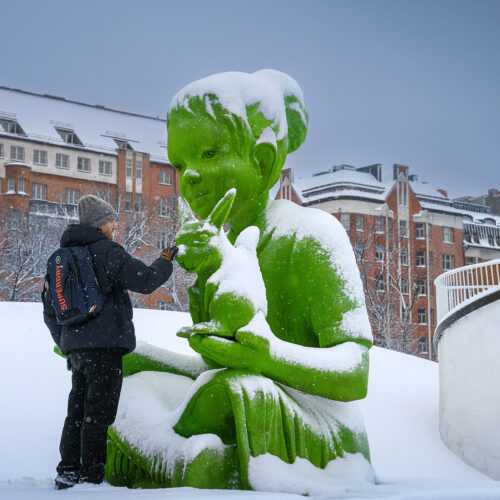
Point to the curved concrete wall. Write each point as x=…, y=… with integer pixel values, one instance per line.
x=469, y=378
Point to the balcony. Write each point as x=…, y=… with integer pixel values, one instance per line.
x=467, y=337
x=51, y=209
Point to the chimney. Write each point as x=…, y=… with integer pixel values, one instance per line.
x=399, y=170
x=443, y=192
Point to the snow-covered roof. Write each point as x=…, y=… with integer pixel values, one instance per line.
x=345, y=182
x=424, y=189
x=96, y=126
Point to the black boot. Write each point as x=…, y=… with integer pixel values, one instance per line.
x=66, y=480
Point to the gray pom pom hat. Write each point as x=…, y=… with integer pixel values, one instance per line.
x=95, y=212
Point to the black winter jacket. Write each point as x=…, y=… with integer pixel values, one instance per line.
x=117, y=272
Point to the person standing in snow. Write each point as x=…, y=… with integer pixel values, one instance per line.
x=95, y=348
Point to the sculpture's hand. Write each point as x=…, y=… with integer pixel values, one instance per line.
x=248, y=351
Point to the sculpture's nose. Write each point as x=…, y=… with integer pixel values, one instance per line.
x=191, y=177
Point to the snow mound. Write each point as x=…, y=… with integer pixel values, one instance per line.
x=401, y=415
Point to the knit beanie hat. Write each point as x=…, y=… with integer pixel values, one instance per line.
x=95, y=212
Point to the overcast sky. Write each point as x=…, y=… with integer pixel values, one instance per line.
x=385, y=81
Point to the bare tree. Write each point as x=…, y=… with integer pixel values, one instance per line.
x=26, y=244
x=390, y=296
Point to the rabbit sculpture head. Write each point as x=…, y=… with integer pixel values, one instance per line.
x=199, y=240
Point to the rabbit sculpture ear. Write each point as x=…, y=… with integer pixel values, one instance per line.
x=185, y=213
x=221, y=211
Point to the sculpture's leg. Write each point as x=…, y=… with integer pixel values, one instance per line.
x=210, y=469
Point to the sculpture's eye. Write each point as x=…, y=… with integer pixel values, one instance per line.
x=208, y=154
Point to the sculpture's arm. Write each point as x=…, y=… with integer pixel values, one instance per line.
x=338, y=367
x=338, y=372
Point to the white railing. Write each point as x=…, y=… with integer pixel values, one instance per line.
x=461, y=285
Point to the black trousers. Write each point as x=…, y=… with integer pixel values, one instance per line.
x=92, y=405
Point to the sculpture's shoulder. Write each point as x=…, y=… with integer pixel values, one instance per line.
x=318, y=241
x=287, y=219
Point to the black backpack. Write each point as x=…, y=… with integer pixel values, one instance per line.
x=71, y=286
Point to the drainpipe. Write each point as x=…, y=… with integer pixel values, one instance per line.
x=429, y=325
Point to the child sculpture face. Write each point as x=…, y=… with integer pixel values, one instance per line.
x=202, y=150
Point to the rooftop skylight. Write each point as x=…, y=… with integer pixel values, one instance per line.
x=69, y=136
x=11, y=126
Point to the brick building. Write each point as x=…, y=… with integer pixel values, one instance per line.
x=53, y=150
x=404, y=234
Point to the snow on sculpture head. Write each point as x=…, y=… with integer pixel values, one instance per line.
x=234, y=130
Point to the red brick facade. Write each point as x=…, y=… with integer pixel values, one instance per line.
x=55, y=193
x=423, y=253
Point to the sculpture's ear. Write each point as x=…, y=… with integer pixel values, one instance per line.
x=221, y=211
x=266, y=155
x=185, y=213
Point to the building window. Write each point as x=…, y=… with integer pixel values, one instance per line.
x=83, y=164
x=21, y=185
x=39, y=191
x=422, y=345
x=491, y=240
x=433, y=318
x=429, y=231
x=129, y=168
x=1, y=150
x=405, y=287
x=128, y=202
x=12, y=127
x=165, y=206
x=164, y=177
x=403, y=256
x=447, y=233
x=431, y=288
x=379, y=253
x=72, y=196
x=138, y=202
x=359, y=222
x=14, y=219
x=104, y=167
x=345, y=220
x=422, y=316
x=17, y=153
x=379, y=224
x=421, y=258
x=39, y=157
x=62, y=160
x=164, y=306
x=163, y=241
x=403, y=229
x=447, y=262
x=69, y=136
x=11, y=185
x=380, y=283
x=104, y=195
x=420, y=231
x=469, y=261
x=138, y=167
x=123, y=144
x=421, y=287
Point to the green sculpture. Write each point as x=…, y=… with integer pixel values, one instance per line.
x=277, y=308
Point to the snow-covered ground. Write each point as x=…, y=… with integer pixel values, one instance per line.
x=401, y=414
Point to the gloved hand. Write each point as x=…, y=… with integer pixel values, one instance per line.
x=169, y=253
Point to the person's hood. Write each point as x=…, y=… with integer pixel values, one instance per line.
x=80, y=234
